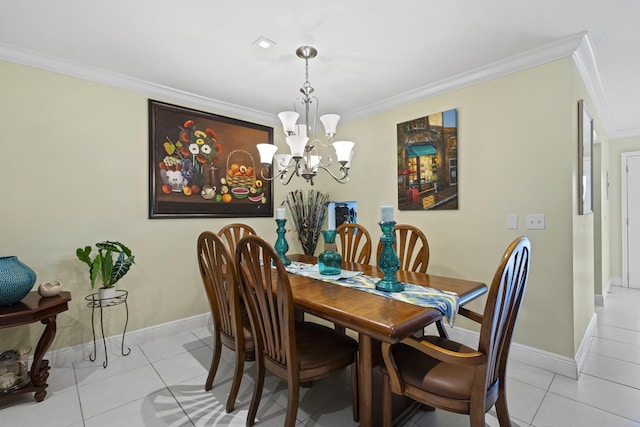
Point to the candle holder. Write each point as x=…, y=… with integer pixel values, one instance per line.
x=388, y=261
x=329, y=261
x=282, y=246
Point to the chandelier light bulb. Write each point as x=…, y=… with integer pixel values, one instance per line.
x=343, y=150
x=330, y=122
x=288, y=119
x=266, y=153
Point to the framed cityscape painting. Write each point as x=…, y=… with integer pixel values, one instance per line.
x=428, y=162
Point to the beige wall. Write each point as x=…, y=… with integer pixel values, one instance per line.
x=78, y=153
x=75, y=157
x=516, y=155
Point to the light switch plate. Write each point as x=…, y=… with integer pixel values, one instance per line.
x=512, y=222
x=535, y=222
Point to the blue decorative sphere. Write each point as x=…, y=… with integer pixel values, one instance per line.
x=16, y=280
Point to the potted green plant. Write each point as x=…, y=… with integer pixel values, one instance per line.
x=111, y=262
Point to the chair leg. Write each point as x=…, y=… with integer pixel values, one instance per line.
x=292, y=404
x=355, y=401
x=235, y=385
x=441, y=330
x=215, y=361
x=386, y=401
x=257, y=391
x=476, y=415
x=502, y=409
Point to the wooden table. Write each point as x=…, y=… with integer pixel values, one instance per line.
x=375, y=318
x=31, y=309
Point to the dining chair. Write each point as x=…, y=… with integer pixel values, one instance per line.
x=232, y=233
x=441, y=373
x=297, y=352
x=355, y=243
x=412, y=249
x=411, y=246
x=231, y=326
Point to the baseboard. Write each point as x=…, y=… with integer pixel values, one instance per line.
x=583, y=349
x=531, y=356
x=522, y=353
x=613, y=281
x=75, y=354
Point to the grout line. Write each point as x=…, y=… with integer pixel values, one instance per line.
x=75, y=379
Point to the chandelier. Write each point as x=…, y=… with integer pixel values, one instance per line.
x=304, y=159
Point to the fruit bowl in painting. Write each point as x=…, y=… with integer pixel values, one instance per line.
x=174, y=178
x=240, y=192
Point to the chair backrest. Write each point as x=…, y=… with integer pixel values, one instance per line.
x=232, y=233
x=355, y=243
x=411, y=246
x=221, y=283
x=267, y=293
x=502, y=308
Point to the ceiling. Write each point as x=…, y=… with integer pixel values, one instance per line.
x=371, y=56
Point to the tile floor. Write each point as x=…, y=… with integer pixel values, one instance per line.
x=161, y=383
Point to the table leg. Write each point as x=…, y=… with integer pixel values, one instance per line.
x=39, y=367
x=370, y=386
x=365, y=380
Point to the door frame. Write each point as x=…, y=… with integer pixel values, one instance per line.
x=625, y=224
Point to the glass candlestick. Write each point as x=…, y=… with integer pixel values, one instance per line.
x=329, y=261
x=282, y=246
x=388, y=261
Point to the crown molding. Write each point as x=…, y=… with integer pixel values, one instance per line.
x=585, y=59
x=578, y=46
x=94, y=74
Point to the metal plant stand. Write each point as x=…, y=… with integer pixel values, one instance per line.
x=95, y=302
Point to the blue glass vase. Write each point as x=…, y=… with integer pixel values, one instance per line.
x=16, y=280
x=281, y=245
x=329, y=261
x=388, y=261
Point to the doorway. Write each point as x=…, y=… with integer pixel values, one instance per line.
x=631, y=219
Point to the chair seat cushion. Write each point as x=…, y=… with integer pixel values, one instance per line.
x=320, y=346
x=249, y=344
x=423, y=372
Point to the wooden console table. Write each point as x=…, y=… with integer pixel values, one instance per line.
x=31, y=309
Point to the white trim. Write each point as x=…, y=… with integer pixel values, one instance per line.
x=550, y=52
x=68, y=355
x=522, y=353
x=583, y=349
x=578, y=46
x=534, y=357
x=615, y=281
x=82, y=71
x=601, y=300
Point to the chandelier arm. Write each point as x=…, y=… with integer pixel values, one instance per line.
x=322, y=143
x=342, y=179
x=279, y=174
x=285, y=182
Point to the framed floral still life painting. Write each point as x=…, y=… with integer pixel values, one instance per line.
x=428, y=162
x=205, y=165
x=585, y=160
